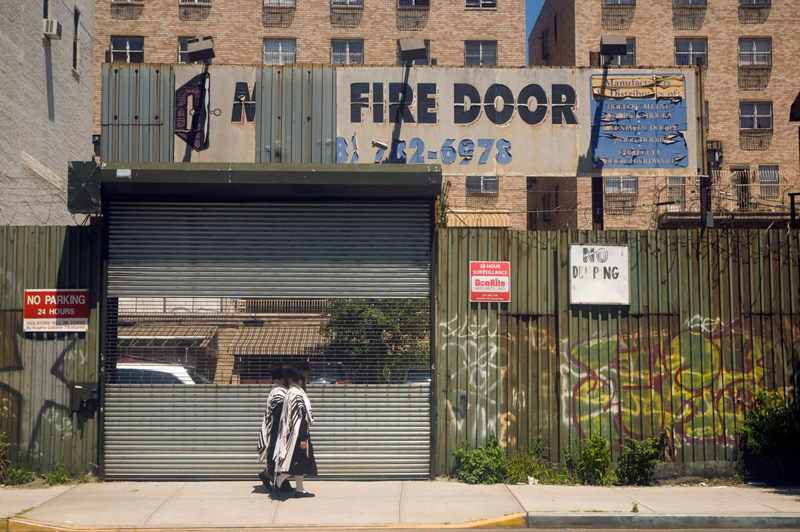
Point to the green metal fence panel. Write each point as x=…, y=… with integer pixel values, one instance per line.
x=37, y=370
x=713, y=316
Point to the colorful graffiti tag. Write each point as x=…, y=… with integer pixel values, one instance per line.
x=694, y=384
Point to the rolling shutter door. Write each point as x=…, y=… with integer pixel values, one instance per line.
x=290, y=251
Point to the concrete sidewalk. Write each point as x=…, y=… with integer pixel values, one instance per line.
x=396, y=504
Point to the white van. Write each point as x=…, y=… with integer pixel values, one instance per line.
x=153, y=373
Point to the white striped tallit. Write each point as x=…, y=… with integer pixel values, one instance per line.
x=275, y=402
x=295, y=407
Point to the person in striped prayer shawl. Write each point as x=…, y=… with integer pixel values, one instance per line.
x=294, y=454
x=270, y=426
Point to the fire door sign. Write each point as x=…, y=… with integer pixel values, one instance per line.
x=490, y=281
x=56, y=310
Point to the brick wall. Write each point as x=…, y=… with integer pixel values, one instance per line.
x=238, y=29
x=558, y=20
x=511, y=199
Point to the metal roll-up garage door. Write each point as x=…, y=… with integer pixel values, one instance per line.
x=214, y=293
x=284, y=250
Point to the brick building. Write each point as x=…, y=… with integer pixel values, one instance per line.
x=747, y=49
x=45, y=102
x=268, y=32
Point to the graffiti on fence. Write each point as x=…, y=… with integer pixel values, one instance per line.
x=477, y=345
x=695, y=384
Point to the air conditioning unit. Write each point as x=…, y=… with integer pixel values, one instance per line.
x=51, y=29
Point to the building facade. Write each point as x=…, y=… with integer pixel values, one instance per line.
x=746, y=52
x=45, y=105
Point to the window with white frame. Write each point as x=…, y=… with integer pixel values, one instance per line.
x=693, y=3
x=413, y=3
x=768, y=181
x=195, y=1
x=480, y=53
x=620, y=194
x=676, y=193
x=280, y=51
x=756, y=3
x=629, y=59
x=689, y=51
x=483, y=185
x=347, y=52
x=619, y=2
x=347, y=3
x=280, y=3
x=755, y=52
x=482, y=3
x=755, y=116
x=127, y=49
x=421, y=61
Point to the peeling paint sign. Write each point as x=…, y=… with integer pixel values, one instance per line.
x=639, y=121
x=470, y=121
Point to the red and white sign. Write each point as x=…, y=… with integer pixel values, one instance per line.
x=489, y=281
x=56, y=310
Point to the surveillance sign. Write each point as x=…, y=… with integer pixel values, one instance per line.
x=490, y=281
x=599, y=275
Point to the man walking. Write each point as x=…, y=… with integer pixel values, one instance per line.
x=294, y=454
x=270, y=427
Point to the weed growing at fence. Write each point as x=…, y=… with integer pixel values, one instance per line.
x=483, y=465
x=58, y=476
x=591, y=462
x=638, y=458
x=770, y=435
x=5, y=463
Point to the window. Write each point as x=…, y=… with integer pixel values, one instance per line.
x=555, y=28
x=696, y=3
x=545, y=48
x=629, y=59
x=676, y=193
x=758, y=3
x=481, y=3
x=413, y=3
x=279, y=3
x=76, y=48
x=482, y=185
x=280, y=51
x=755, y=52
x=755, y=115
x=768, y=181
x=195, y=1
x=547, y=209
x=619, y=2
x=45, y=8
x=422, y=61
x=127, y=49
x=621, y=193
x=480, y=53
x=689, y=51
x=347, y=52
x=347, y=3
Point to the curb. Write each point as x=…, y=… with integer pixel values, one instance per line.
x=25, y=525
x=601, y=520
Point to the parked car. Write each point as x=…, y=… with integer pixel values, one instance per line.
x=418, y=376
x=154, y=373
x=327, y=374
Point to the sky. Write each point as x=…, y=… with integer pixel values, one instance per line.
x=532, y=8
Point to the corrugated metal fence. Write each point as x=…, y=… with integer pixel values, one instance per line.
x=713, y=315
x=37, y=369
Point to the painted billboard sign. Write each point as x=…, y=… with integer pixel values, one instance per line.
x=490, y=281
x=639, y=121
x=56, y=311
x=471, y=121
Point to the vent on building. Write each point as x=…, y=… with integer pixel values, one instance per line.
x=51, y=29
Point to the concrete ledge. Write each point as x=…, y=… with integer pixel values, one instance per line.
x=605, y=520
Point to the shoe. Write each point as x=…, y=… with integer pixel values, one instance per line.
x=265, y=480
x=302, y=494
x=286, y=487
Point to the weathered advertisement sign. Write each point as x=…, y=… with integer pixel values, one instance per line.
x=640, y=121
x=489, y=281
x=56, y=311
x=471, y=121
x=215, y=114
x=599, y=275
